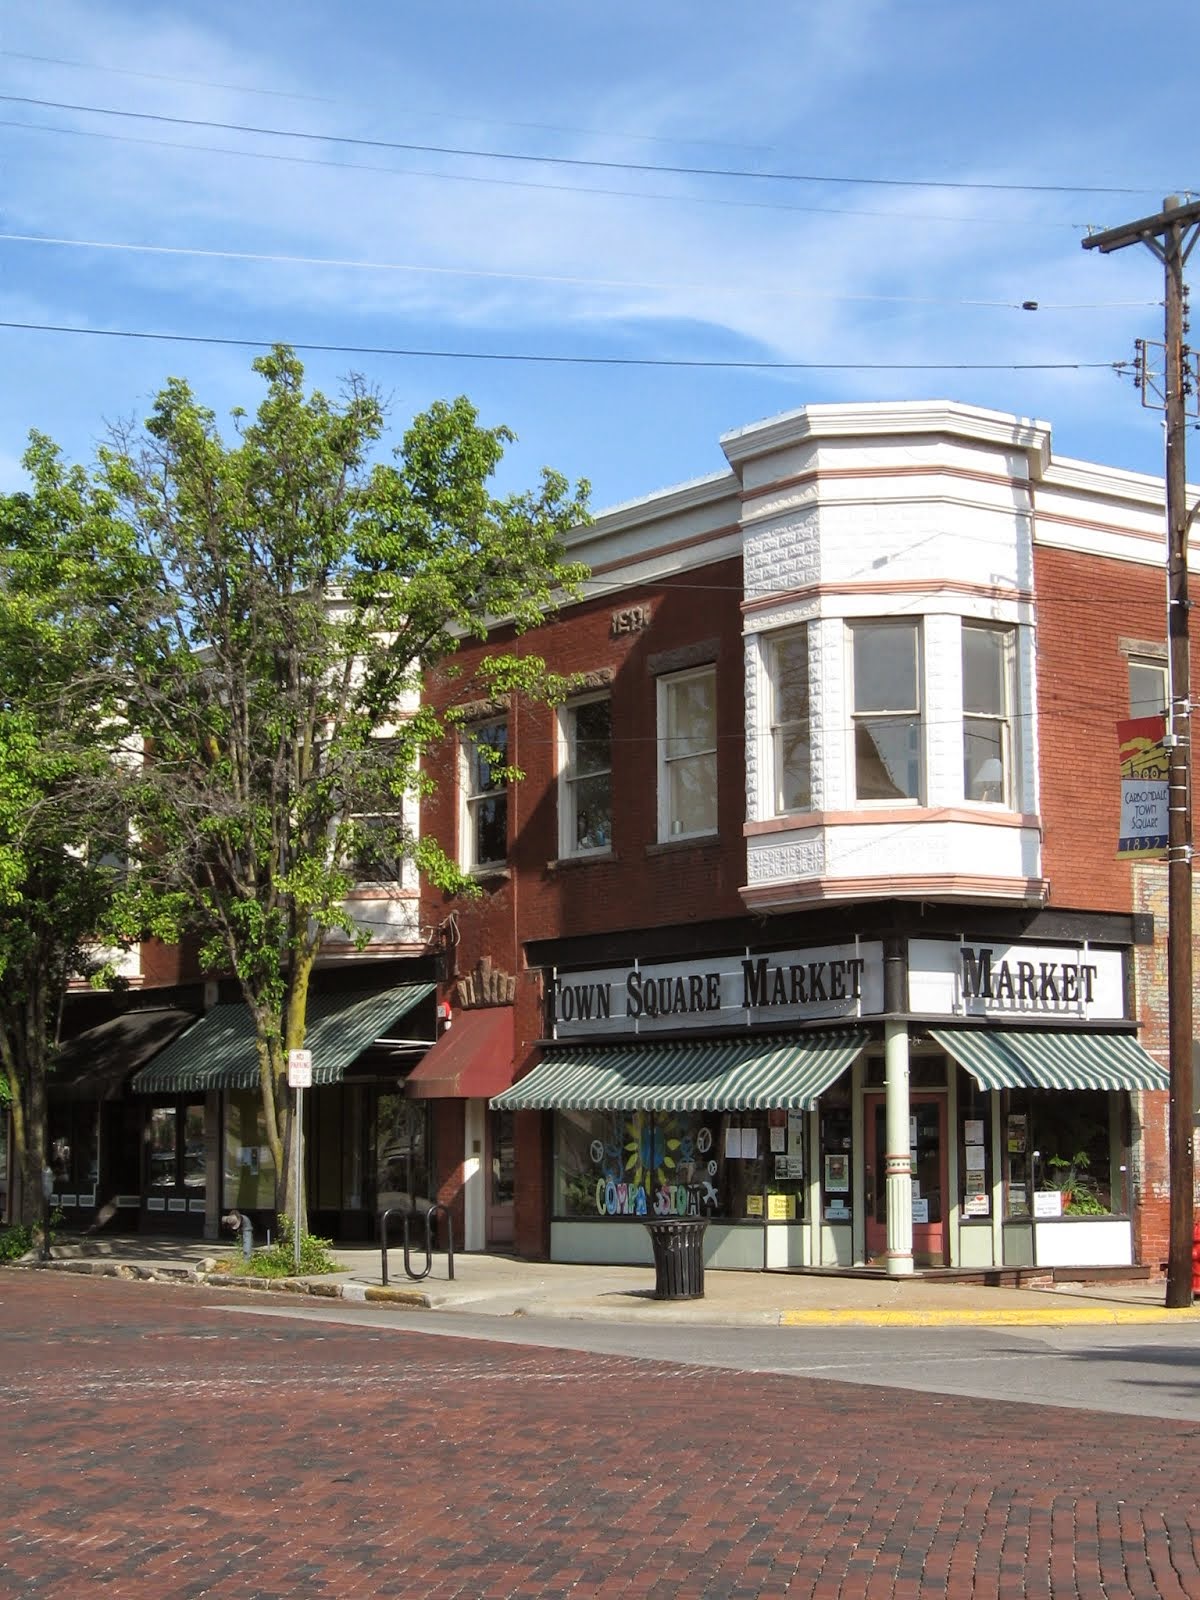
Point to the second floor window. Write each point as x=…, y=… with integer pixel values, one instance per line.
x=1147, y=687
x=988, y=668
x=887, y=710
x=585, y=789
x=485, y=751
x=687, y=721
x=791, y=748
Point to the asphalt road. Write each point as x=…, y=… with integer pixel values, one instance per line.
x=179, y=1442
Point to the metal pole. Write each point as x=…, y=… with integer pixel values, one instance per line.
x=296, y=1179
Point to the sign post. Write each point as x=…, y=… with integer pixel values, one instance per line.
x=299, y=1079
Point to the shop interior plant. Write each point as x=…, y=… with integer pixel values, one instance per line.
x=1079, y=1189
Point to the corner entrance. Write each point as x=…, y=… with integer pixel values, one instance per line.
x=927, y=1147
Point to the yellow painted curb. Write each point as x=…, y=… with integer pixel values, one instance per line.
x=400, y=1297
x=1031, y=1317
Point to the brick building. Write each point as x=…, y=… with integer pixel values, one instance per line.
x=806, y=915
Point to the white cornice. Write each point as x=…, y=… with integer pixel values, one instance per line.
x=1114, y=483
x=878, y=419
x=663, y=503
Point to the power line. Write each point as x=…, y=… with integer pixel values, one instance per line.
x=571, y=161
x=551, y=188
x=421, y=111
x=564, y=279
x=581, y=361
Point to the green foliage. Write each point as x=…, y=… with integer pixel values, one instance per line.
x=66, y=562
x=278, y=1260
x=15, y=1242
x=294, y=591
x=1080, y=1191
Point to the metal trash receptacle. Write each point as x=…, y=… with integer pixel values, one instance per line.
x=678, y=1245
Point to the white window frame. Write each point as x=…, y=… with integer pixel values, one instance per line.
x=893, y=714
x=569, y=779
x=1141, y=661
x=781, y=728
x=474, y=797
x=668, y=763
x=1002, y=788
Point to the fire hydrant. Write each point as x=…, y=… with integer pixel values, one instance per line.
x=239, y=1219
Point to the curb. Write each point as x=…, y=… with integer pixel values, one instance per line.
x=1049, y=1316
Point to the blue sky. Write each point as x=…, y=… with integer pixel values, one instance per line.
x=1010, y=113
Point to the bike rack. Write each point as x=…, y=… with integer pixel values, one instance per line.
x=409, y=1216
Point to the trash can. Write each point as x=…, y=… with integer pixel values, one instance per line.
x=678, y=1245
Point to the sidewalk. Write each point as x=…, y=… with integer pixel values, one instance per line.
x=503, y=1286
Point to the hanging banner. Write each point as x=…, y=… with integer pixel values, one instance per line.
x=1144, y=762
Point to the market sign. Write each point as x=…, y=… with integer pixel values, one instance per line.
x=1144, y=768
x=974, y=978
x=750, y=989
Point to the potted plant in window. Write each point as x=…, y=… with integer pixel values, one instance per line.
x=1080, y=1191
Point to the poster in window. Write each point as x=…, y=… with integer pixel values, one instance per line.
x=976, y=1203
x=920, y=1211
x=1018, y=1124
x=749, y=1144
x=781, y=1208
x=795, y=1132
x=973, y=1130
x=778, y=1141
x=733, y=1144
x=837, y=1174
x=754, y=1205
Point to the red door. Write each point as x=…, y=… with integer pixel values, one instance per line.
x=927, y=1147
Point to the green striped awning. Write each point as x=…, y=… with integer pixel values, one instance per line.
x=1033, y=1059
x=219, y=1052
x=693, y=1075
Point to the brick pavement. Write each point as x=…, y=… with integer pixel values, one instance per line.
x=154, y=1445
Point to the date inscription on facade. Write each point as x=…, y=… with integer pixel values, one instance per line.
x=633, y=619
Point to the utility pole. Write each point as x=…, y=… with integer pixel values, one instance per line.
x=1170, y=235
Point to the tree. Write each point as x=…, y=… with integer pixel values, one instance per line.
x=298, y=592
x=65, y=563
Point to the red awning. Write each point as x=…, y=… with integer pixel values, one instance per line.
x=472, y=1060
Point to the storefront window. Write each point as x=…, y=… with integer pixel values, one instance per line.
x=837, y=1142
x=1061, y=1141
x=730, y=1164
x=249, y=1168
x=974, y=1150
x=402, y=1167
x=74, y=1146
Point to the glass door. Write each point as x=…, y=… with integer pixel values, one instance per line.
x=927, y=1150
x=174, y=1179
x=500, y=1164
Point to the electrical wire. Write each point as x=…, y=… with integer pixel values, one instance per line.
x=551, y=188
x=571, y=360
x=419, y=111
x=409, y=146
x=563, y=279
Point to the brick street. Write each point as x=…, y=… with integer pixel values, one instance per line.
x=156, y=1445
